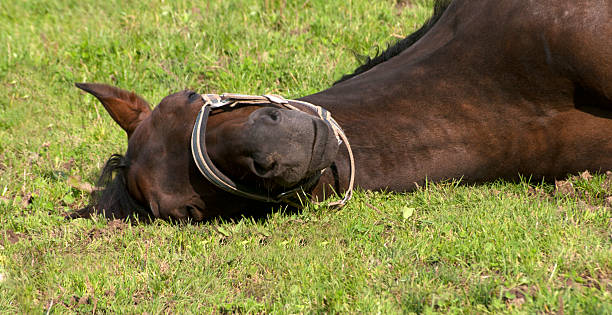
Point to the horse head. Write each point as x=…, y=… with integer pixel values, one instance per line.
x=267, y=148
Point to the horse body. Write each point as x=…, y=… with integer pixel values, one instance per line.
x=492, y=90
x=485, y=90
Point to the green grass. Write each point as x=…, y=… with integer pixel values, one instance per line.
x=499, y=247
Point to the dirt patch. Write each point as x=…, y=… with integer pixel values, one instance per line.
x=517, y=296
x=300, y=30
x=22, y=201
x=71, y=303
x=11, y=237
x=607, y=184
x=585, y=176
x=564, y=188
x=608, y=201
x=139, y=296
x=110, y=293
x=27, y=200
x=33, y=158
x=538, y=192
x=75, y=300
x=68, y=164
x=113, y=227
x=400, y=5
x=255, y=285
x=600, y=280
x=572, y=188
x=2, y=165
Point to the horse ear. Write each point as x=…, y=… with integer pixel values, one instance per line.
x=126, y=108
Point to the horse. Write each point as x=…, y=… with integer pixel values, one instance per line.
x=484, y=90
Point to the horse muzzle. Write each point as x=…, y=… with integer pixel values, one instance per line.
x=289, y=145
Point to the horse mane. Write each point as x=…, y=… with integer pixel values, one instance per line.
x=112, y=198
x=395, y=49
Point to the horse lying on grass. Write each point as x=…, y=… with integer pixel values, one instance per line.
x=483, y=90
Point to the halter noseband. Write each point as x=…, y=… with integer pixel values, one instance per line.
x=216, y=177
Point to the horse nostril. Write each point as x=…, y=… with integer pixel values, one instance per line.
x=263, y=170
x=269, y=115
x=274, y=115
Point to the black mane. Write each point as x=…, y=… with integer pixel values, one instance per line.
x=112, y=199
x=395, y=49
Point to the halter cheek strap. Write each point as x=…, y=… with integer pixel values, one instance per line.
x=216, y=177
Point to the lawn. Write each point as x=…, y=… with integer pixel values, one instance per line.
x=501, y=247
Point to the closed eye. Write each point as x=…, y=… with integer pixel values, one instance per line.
x=193, y=96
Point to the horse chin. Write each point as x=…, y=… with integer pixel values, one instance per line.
x=325, y=147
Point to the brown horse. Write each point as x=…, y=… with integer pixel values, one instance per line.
x=484, y=90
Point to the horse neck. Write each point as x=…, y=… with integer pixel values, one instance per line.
x=379, y=118
x=435, y=110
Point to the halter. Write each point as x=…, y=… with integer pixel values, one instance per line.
x=216, y=177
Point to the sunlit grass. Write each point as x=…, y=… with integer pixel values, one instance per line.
x=499, y=247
